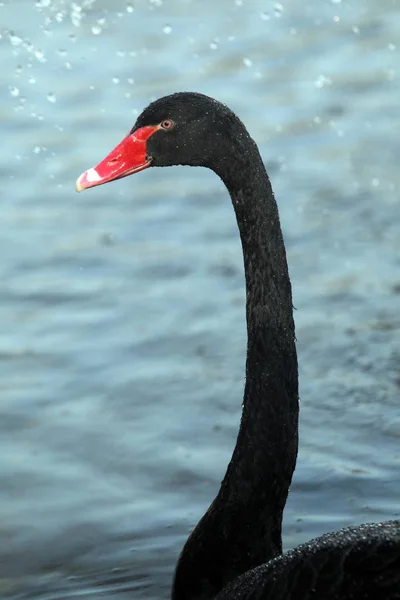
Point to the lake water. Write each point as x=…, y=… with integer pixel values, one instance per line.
x=122, y=309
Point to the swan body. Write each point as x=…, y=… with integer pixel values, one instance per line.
x=359, y=563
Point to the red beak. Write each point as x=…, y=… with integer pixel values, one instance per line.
x=130, y=156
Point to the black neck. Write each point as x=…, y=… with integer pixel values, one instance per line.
x=242, y=527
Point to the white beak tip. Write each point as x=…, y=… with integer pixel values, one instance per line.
x=87, y=179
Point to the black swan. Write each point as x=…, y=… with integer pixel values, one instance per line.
x=235, y=552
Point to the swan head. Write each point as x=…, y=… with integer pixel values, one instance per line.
x=185, y=128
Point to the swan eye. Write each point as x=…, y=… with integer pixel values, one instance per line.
x=167, y=124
